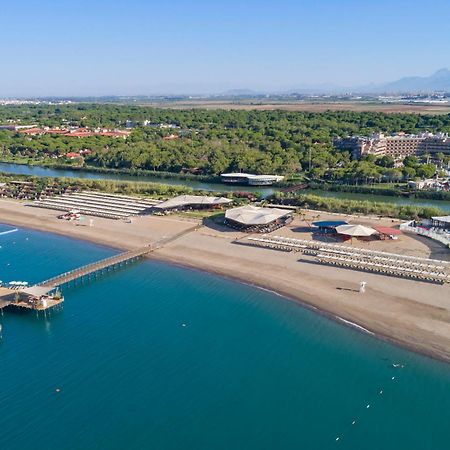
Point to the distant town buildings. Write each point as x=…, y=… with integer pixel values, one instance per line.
x=162, y=126
x=430, y=184
x=75, y=132
x=398, y=145
x=13, y=127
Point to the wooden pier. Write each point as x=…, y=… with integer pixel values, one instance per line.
x=19, y=298
x=31, y=298
x=104, y=265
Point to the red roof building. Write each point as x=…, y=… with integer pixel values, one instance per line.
x=171, y=137
x=73, y=155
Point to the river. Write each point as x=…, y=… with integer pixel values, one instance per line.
x=22, y=169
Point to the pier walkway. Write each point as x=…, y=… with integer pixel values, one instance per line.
x=111, y=263
x=8, y=296
x=103, y=265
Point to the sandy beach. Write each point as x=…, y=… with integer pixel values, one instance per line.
x=411, y=313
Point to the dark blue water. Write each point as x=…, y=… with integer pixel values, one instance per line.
x=249, y=370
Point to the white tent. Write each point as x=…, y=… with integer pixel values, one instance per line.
x=355, y=230
x=192, y=200
x=252, y=215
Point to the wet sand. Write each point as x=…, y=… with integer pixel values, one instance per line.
x=411, y=313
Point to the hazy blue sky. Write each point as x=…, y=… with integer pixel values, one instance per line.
x=99, y=47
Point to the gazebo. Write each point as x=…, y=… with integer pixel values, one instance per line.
x=355, y=230
x=256, y=219
x=183, y=202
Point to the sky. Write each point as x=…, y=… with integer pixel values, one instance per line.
x=144, y=47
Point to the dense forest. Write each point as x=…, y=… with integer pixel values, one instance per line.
x=210, y=142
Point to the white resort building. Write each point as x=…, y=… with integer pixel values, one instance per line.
x=250, y=179
x=397, y=145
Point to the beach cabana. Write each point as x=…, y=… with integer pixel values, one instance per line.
x=255, y=219
x=355, y=230
x=192, y=202
x=329, y=226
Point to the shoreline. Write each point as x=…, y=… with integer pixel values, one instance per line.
x=407, y=330
x=437, y=356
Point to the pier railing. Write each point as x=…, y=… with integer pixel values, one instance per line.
x=88, y=269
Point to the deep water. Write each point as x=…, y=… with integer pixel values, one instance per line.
x=158, y=357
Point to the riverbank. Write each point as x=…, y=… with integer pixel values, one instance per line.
x=378, y=190
x=51, y=164
x=413, y=314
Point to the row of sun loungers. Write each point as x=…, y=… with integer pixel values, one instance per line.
x=362, y=251
x=385, y=269
x=121, y=197
x=77, y=204
x=147, y=203
x=44, y=204
x=362, y=259
x=98, y=204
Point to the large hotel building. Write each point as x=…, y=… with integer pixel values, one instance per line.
x=398, y=145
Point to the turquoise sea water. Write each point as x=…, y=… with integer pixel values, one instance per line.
x=248, y=370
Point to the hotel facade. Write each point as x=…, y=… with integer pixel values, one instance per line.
x=398, y=145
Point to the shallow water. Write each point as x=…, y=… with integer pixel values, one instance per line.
x=159, y=357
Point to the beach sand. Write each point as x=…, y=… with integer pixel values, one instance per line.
x=411, y=313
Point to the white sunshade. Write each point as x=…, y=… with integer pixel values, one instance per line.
x=355, y=230
x=186, y=200
x=252, y=215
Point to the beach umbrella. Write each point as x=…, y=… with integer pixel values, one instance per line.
x=355, y=230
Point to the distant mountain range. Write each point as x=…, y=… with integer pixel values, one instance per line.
x=437, y=82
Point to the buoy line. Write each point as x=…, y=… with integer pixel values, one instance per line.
x=368, y=406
